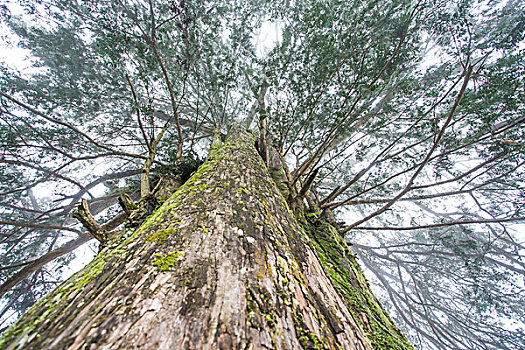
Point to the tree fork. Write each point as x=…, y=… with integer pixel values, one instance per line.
x=222, y=264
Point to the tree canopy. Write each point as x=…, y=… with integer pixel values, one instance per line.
x=402, y=118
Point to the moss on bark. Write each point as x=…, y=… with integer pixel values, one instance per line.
x=222, y=263
x=344, y=270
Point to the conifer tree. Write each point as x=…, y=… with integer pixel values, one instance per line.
x=229, y=182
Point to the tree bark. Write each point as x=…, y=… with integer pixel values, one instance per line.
x=222, y=264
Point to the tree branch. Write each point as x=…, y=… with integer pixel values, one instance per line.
x=408, y=187
x=69, y=126
x=88, y=221
x=137, y=109
x=34, y=265
x=443, y=224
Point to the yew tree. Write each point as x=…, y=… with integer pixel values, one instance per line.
x=232, y=168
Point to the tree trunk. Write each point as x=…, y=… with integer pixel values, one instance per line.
x=222, y=264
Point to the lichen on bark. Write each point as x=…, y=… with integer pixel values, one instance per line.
x=221, y=264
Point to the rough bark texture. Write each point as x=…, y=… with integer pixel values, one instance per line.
x=222, y=264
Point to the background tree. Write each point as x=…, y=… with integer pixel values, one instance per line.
x=398, y=121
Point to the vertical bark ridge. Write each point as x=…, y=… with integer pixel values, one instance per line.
x=222, y=264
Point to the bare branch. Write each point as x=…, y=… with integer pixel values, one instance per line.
x=408, y=187
x=443, y=224
x=34, y=265
x=137, y=109
x=69, y=126
x=41, y=226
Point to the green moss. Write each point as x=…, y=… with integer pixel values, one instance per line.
x=47, y=305
x=342, y=267
x=10, y=333
x=92, y=271
x=259, y=308
x=160, y=236
x=242, y=190
x=154, y=219
x=117, y=249
x=165, y=262
x=26, y=330
x=131, y=206
x=259, y=303
x=307, y=339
